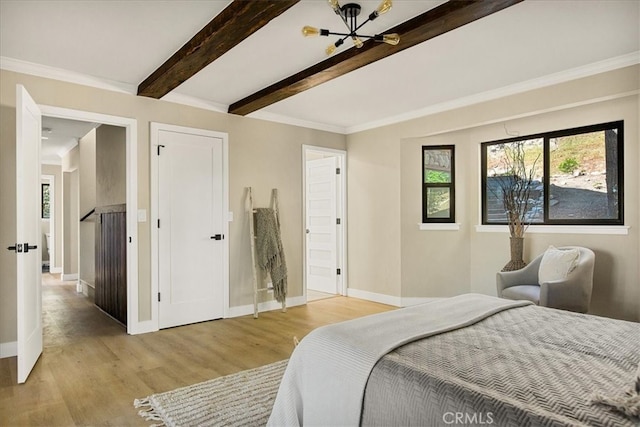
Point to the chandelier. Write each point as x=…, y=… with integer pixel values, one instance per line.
x=349, y=14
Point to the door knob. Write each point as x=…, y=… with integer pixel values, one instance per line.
x=217, y=237
x=19, y=248
x=27, y=247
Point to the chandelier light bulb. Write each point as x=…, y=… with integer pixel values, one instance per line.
x=309, y=31
x=334, y=5
x=330, y=49
x=357, y=42
x=392, y=39
x=384, y=7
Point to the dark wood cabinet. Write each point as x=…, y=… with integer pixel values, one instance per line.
x=111, y=261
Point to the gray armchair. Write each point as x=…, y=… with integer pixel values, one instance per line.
x=572, y=293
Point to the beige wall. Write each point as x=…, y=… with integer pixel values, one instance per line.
x=87, y=170
x=261, y=154
x=111, y=166
x=8, y=295
x=70, y=214
x=384, y=192
x=435, y=263
x=266, y=156
x=56, y=171
x=71, y=225
x=373, y=191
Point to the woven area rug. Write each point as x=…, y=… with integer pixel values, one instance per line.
x=242, y=399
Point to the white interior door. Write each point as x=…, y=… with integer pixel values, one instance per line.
x=28, y=247
x=321, y=216
x=190, y=214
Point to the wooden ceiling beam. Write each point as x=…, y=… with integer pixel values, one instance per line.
x=434, y=22
x=231, y=26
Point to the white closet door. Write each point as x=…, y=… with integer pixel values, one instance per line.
x=190, y=245
x=321, y=225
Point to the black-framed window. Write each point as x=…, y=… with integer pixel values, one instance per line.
x=574, y=176
x=46, y=201
x=438, y=183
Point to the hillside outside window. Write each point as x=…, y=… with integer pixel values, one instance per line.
x=575, y=176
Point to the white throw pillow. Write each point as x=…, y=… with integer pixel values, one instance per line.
x=557, y=263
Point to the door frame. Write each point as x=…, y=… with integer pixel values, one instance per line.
x=341, y=235
x=154, y=128
x=134, y=325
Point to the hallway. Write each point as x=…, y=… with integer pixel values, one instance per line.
x=68, y=316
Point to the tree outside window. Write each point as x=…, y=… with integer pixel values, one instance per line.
x=577, y=179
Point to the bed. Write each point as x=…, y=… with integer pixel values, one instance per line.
x=466, y=360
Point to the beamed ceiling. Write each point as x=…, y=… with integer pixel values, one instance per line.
x=242, y=18
x=231, y=26
x=249, y=58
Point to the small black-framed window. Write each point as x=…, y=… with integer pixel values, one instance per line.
x=46, y=201
x=573, y=176
x=438, y=184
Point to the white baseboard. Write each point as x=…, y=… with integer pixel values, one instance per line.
x=8, y=349
x=372, y=296
x=68, y=277
x=84, y=287
x=244, y=310
x=388, y=299
x=143, y=327
x=55, y=270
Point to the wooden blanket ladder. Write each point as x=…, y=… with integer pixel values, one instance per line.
x=251, y=212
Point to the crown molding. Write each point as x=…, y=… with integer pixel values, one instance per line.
x=272, y=117
x=611, y=64
x=30, y=68
x=24, y=67
x=193, y=101
x=538, y=83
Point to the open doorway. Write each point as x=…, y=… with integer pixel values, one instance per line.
x=79, y=223
x=87, y=162
x=325, y=222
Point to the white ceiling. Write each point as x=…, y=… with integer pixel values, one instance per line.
x=59, y=136
x=120, y=43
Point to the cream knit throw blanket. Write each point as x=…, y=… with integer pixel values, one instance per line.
x=269, y=251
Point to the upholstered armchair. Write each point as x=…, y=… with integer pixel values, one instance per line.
x=559, y=278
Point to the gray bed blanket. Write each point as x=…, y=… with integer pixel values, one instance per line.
x=531, y=366
x=327, y=373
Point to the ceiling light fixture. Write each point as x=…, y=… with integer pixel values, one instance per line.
x=349, y=14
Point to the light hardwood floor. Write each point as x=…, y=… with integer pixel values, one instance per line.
x=91, y=370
